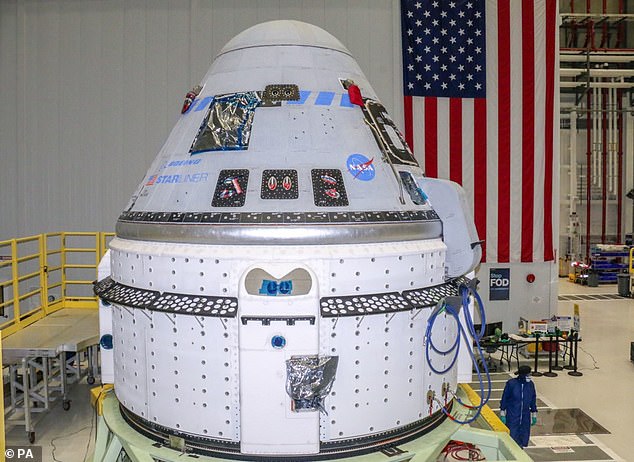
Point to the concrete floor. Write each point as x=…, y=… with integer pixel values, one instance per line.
x=65, y=436
x=604, y=392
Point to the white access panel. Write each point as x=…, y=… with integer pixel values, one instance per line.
x=268, y=425
x=129, y=332
x=381, y=367
x=105, y=324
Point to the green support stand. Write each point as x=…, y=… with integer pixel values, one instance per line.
x=114, y=435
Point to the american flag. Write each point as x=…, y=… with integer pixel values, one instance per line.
x=479, y=78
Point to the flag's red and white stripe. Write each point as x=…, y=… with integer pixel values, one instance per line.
x=502, y=148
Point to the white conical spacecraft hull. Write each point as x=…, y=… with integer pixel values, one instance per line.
x=273, y=274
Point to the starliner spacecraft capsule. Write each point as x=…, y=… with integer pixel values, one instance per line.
x=272, y=276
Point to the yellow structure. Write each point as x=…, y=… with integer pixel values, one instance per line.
x=33, y=269
x=487, y=413
x=97, y=395
x=40, y=275
x=2, y=441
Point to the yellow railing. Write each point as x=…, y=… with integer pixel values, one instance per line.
x=43, y=273
x=487, y=414
x=2, y=437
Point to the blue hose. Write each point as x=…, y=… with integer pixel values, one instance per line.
x=445, y=307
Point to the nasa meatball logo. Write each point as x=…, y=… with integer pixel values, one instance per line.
x=360, y=167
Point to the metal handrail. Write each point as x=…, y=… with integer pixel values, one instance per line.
x=61, y=244
x=2, y=437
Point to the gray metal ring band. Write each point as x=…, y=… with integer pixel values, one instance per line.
x=285, y=234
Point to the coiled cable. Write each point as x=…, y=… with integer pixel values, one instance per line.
x=447, y=306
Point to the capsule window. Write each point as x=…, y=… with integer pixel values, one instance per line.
x=260, y=282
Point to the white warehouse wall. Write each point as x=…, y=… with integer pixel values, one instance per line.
x=89, y=90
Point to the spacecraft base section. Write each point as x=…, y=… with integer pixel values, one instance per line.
x=115, y=436
x=222, y=368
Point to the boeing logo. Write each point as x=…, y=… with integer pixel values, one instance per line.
x=180, y=163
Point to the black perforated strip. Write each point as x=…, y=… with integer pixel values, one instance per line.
x=430, y=296
x=113, y=292
x=199, y=305
x=227, y=307
x=103, y=285
x=392, y=302
x=363, y=304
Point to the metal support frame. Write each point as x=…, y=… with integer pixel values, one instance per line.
x=610, y=79
x=606, y=137
x=588, y=171
x=619, y=170
x=25, y=395
x=37, y=381
x=608, y=30
x=604, y=163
